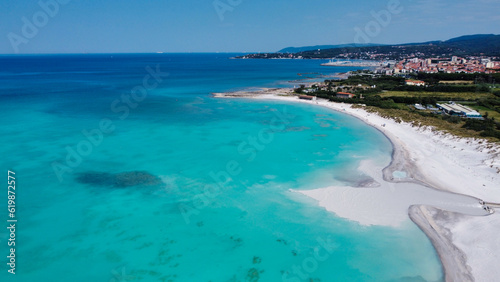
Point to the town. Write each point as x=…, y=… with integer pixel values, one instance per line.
x=445, y=65
x=454, y=64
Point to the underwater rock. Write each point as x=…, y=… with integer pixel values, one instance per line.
x=96, y=178
x=253, y=275
x=136, y=178
x=118, y=180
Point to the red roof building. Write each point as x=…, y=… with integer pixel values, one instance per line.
x=415, y=82
x=345, y=95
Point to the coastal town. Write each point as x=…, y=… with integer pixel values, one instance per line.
x=453, y=64
x=445, y=65
x=456, y=94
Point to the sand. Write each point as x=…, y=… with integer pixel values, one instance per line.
x=434, y=178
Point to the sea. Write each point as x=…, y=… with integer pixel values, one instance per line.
x=128, y=169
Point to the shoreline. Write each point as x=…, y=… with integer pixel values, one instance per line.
x=453, y=260
x=429, y=159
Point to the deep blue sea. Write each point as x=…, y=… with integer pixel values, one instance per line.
x=127, y=169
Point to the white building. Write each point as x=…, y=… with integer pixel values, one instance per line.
x=415, y=82
x=459, y=110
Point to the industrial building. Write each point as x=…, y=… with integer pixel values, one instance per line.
x=459, y=110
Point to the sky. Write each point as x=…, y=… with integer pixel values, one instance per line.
x=145, y=26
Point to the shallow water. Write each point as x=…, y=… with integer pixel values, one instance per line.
x=222, y=211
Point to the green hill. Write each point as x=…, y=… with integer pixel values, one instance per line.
x=469, y=45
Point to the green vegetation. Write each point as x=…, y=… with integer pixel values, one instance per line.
x=486, y=111
x=383, y=94
x=443, y=96
x=301, y=89
x=475, y=77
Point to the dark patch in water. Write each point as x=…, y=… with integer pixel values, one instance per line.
x=253, y=274
x=362, y=181
x=297, y=129
x=119, y=180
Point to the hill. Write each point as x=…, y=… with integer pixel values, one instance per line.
x=469, y=45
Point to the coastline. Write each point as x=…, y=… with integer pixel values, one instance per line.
x=453, y=260
x=429, y=159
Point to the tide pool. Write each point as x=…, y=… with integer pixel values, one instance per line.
x=222, y=210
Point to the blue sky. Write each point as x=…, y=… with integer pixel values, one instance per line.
x=107, y=26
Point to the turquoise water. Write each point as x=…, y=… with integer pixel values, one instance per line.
x=219, y=206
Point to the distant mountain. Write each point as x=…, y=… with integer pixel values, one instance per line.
x=472, y=37
x=468, y=45
x=478, y=44
x=322, y=47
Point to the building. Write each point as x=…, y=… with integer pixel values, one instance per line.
x=459, y=110
x=419, y=107
x=306, y=97
x=415, y=82
x=345, y=95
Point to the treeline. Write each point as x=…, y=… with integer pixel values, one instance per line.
x=488, y=78
x=375, y=101
x=488, y=127
x=371, y=79
x=493, y=104
x=396, y=83
x=415, y=100
x=442, y=88
x=476, y=77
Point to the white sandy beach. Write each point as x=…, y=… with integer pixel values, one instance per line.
x=466, y=239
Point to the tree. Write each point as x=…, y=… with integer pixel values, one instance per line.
x=300, y=90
